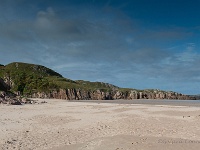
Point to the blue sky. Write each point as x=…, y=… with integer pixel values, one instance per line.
x=130, y=43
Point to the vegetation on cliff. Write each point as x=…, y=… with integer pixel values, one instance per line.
x=39, y=81
x=31, y=78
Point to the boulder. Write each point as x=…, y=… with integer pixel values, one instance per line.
x=14, y=102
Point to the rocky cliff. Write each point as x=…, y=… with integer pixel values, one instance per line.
x=78, y=94
x=40, y=82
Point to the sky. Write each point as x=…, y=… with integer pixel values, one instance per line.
x=141, y=44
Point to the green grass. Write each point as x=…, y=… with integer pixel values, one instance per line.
x=29, y=78
x=93, y=86
x=42, y=71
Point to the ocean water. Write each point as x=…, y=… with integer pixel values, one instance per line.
x=195, y=103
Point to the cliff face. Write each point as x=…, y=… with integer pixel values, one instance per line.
x=40, y=82
x=74, y=94
x=3, y=85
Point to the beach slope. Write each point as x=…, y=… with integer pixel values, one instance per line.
x=60, y=125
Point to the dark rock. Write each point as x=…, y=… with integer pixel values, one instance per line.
x=15, y=102
x=3, y=85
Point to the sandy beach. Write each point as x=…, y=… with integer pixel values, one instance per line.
x=63, y=125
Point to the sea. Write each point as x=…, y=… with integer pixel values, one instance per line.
x=193, y=103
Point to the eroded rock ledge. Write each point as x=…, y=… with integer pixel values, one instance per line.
x=78, y=94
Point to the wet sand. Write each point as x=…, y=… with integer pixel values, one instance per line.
x=64, y=125
x=195, y=103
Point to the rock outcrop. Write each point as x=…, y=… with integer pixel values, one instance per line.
x=3, y=85
x=78, y=94
x=8, y=98
x=12, y=99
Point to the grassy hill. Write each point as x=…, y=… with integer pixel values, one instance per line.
x=29, y=78
x=17, y=67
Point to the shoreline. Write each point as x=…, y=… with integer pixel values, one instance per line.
x=171, y=102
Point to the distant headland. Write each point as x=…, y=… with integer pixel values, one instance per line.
x=36, y=81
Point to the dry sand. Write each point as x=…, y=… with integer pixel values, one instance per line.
x=63, y=125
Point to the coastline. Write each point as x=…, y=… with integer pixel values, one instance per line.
x=189, y=103
x=61, y=124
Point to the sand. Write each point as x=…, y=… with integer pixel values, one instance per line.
x=63, y=125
